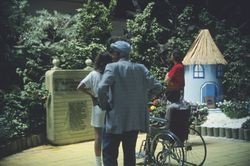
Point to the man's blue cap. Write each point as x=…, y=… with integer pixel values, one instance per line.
x=121, y=46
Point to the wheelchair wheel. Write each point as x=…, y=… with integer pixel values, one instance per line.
x=167, y=149
x=144, y=156
x=195, y=148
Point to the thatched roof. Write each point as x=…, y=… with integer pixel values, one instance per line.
x=204, y=51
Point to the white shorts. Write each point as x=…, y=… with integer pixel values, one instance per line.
x=97, y=117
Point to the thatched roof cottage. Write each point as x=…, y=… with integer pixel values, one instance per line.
x=203, y=70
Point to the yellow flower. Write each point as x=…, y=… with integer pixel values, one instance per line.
x=152, y=107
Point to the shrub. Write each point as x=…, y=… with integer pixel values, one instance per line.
x=180, y=29
x=46, y=36
x=12, y=16
x=71, y=39
x=13, y=117
x=33, y=97
x=22, y=112
x=199, y=112
x=93, y=23
x=246, y=124
x=159, y=72
x=236, y=78
x=157, y=108
x=143, y=32
x=234, y=109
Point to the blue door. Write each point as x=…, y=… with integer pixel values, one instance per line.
x=209, y=90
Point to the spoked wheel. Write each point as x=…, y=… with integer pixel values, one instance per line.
x=149, y=161
x=195, y=148
x=144, y=157
x=167, y=149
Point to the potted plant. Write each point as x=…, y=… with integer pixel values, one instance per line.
x=246, y=128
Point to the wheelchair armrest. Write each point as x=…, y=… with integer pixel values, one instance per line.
x=159, y=120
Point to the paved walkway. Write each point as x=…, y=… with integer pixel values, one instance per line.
x=221, y=152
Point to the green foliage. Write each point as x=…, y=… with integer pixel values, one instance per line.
x=12, y=15
x=46, y=36
x=112, y=6
x=199, y=113
x=234, y=109
x=157, y=107
x=30, y=43
x=71, y=39
x=246, y=124
x=22, y=112
x=231, y=43
x=159, y=72
x=143, y=32
x=12, y=117
x=34, y=96
x=93, y=23
x=75, y=54
x=237, y=71
x=159, y=112
x=183, y=29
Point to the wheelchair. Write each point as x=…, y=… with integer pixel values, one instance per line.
x=177, y=144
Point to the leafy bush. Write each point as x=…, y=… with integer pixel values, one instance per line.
x=237, y=72
x=231, y=43
x=181, y=29
x=46, y=36
x=198, y=111
x=235, y=109
x=93, y=23
x=246, y=124
x=157, y=107
x=159, y=73
x=71, y=39
x=12, y=16
x=13, y=118
x=143, y=32
x=34, y=96
x=22, y=112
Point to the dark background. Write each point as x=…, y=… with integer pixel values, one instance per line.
x=235, y=12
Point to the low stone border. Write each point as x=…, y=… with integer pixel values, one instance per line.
x=40, y=139
x=235, y=133
x=22, y=144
